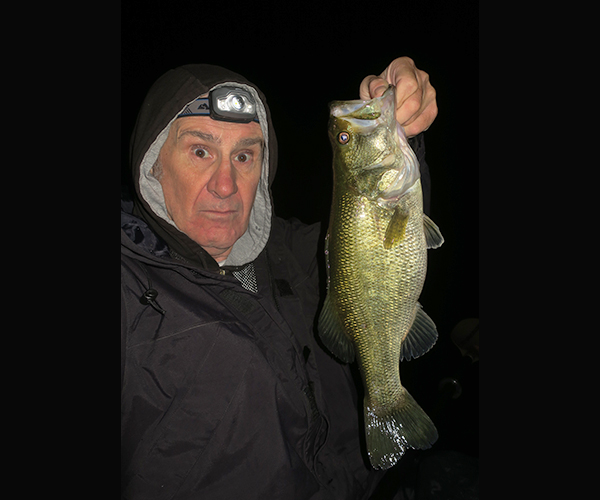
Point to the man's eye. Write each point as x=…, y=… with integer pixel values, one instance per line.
x=242, y=158
x=201, y=153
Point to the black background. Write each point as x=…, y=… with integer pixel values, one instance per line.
x=304, y=55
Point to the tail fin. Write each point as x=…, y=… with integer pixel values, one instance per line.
x=391, y=432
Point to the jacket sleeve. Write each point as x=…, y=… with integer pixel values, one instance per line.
x=417, y=143
x=302, y=240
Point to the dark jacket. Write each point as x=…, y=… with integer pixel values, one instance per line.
x=226, y=393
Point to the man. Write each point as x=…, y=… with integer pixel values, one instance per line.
x=225, y=391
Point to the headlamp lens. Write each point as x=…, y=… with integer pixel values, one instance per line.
x=232, y=104
x=237, y=102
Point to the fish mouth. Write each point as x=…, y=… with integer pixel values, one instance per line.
x=367, y=110
x=347, y=109
x=364, y=116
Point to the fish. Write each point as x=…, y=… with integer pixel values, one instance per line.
x=376, y=260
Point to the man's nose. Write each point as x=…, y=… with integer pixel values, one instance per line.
x=222, y=184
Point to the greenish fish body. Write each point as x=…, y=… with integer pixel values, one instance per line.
x=376, y=252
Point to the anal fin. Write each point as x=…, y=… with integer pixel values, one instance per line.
x=420, y=338
x=332, y=333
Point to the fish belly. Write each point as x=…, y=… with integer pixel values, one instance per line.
x=376, y=289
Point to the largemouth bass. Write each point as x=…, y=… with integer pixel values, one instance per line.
x=376, y=251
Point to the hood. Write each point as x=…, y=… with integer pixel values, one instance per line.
x=166, y=99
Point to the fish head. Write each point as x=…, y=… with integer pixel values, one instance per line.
x=371, y=154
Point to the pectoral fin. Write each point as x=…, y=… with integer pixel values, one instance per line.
x=332, y=333
x=420, y=338
x=395, y=230
x=433, y=236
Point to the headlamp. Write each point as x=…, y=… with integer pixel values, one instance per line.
x=229, y=103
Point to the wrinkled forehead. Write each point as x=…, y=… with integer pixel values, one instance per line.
x=215, y=131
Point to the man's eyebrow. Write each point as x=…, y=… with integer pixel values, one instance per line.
x=242, y=143
x=201, y=135
x=248, y=141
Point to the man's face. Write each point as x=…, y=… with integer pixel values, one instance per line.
x=210, y=172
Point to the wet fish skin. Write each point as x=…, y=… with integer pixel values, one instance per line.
x=377, y=258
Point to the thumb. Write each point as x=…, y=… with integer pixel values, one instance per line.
x=372, y=86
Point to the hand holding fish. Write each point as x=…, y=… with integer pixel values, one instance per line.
x=416, y=106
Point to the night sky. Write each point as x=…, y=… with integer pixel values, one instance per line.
x=303, y=57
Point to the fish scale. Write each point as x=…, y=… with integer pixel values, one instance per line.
x=376, y=253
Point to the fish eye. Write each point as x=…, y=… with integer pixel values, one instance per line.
x=343, y=137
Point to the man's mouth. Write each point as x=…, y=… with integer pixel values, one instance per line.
x=218, y=213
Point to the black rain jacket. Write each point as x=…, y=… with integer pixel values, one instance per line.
x=226, y=393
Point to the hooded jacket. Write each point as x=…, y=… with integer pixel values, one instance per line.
x=225, y=391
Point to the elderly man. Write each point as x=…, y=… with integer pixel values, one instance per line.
x=225, y=391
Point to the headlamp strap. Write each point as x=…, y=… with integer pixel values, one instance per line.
x=199, y=107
